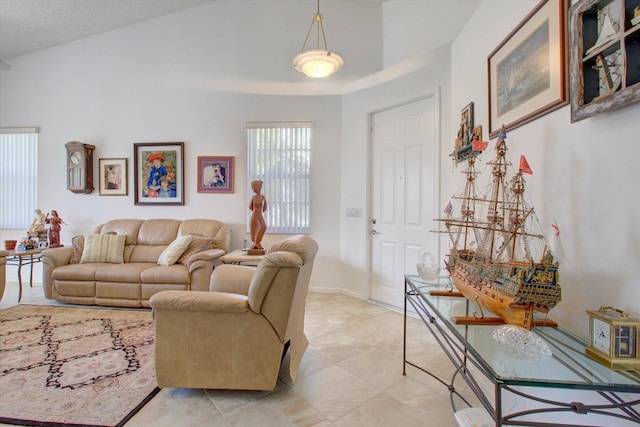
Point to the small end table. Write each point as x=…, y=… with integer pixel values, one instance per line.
x=21, y=258
x=240, y=257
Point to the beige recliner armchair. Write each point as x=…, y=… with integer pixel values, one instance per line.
x=234, y=336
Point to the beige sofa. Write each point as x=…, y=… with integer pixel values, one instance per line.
x=67, y=277
x=235, y=335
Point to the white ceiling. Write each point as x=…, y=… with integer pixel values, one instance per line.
x=30, y=25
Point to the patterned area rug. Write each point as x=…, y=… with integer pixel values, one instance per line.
x=74, y=366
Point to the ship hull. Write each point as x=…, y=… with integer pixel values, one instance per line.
x=491, y=296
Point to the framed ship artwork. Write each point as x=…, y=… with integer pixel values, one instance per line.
x=528, y=71
x=158, y=173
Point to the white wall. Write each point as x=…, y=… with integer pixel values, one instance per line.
x=165, y=80
x=426, y=76
x=584, y=175
x=181, y=77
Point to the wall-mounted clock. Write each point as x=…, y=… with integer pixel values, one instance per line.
x=614, y=338
x=80, y=167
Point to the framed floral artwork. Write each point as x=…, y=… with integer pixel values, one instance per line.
x=215, y=174
x=158, y=173
x=113, y=177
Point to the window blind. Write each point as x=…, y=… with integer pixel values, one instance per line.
x=19, y=177
x=279, y=154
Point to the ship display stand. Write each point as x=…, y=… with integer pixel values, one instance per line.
x=565, y=387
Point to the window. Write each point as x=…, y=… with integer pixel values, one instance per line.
x=279, y=154
x=19, y=177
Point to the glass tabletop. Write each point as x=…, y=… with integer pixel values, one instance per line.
x=568, y=367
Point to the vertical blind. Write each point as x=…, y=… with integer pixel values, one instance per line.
x=19, y=177
x=279, y=154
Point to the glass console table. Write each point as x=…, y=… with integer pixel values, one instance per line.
x=566, y=389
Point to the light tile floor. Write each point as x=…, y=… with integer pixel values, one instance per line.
x=351, y=375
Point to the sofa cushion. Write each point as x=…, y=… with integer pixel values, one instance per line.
x=160, y=274
x=80, y=272
x=126, y=273
x=170, y=255
x=103, y=248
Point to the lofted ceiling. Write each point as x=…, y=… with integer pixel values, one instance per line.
x=30, y=25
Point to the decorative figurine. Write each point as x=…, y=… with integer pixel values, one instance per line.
x=37, y=226
x=54, y=230
x=258, y=225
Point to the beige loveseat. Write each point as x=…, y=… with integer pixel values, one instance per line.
x=235, y=336
x=67, y=277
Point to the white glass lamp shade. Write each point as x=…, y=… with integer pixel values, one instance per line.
x=318, y=63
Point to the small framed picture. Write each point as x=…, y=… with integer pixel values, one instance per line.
x=215, y=174
x=113, y=177
x=159, y=173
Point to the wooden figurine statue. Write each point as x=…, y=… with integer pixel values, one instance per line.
x=258, y=226
x=55, y=225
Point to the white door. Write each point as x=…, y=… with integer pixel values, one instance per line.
x=405, y=177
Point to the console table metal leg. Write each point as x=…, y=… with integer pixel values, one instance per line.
x=31, y=271
x=404, y=332
x=19, y=278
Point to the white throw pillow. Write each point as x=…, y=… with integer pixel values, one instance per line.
x=175, y=250
x=103, y=248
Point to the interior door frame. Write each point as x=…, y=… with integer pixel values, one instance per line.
x=437, y=135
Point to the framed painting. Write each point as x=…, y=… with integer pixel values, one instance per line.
x=159, y=173
x=528, y=70
x=215, y=174
x=113, y=177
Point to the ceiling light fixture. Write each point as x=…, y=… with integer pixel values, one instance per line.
x=317, y=63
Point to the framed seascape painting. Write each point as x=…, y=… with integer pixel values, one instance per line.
x=215, y=174
x=113, y=177
x=158, y=173
x=528, y=70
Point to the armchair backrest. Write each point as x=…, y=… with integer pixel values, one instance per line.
x=278, y=289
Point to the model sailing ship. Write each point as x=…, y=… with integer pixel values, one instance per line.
x=498, y=257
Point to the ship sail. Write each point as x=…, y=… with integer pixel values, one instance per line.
x=498, y=254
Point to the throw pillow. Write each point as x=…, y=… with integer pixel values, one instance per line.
x=103, y=248
x=198, y=244
x=78, y=247
x=170, y=255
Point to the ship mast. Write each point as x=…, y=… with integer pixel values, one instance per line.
x=468, y=205
x=499, y=171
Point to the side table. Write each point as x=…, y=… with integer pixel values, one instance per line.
x=240, y=257
x=21, y=258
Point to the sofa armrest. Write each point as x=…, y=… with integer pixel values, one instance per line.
x=195, y=301
x=206, y=256
x=57, y=256
x=52, y=258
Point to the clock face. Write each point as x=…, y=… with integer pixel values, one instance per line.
x=76, y=157
x=601, y=335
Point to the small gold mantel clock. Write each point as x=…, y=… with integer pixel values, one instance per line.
x=613, y=338
x=79, y=167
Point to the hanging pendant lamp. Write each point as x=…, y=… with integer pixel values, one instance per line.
x=317, y=63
